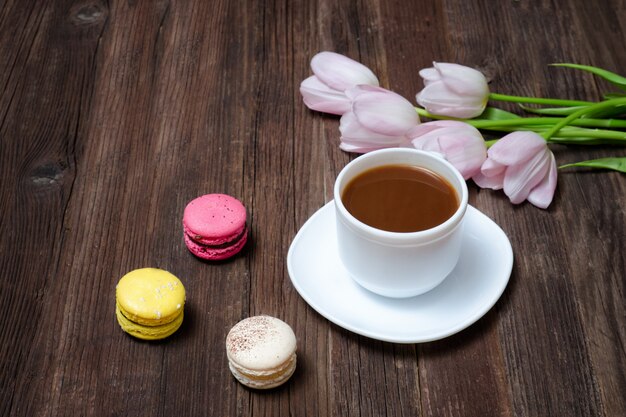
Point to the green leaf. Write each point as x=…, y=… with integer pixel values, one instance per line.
x=494, y=113
x=584, y=140
x=551, y=111
x=572, y=135
x=585, y=111
x=609, y=96
x=615, y=164
x=566, y=111
x=611, y=77
x=615, y=111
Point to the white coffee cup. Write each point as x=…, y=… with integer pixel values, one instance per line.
x=394, y=264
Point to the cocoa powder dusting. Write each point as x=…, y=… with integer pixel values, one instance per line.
x=250, y=332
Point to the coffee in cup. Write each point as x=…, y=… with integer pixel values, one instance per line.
x=400, y=198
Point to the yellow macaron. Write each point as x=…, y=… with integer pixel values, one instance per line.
x=149, y=303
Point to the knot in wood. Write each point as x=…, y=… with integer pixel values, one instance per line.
x=48, y=174
x=88, y=14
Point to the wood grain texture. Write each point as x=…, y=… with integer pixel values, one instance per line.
x=115, y=114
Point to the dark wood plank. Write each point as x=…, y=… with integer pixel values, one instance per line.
x=597, y=262
x=361, y=386
x=45, y=89
x=544, y=377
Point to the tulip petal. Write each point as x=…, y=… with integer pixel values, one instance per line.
x=520, y=179
x=356, y=91
x=541, y=196
x=453, y=90
x=491, y=175
x=437, y=98
x=461, y=144
x=425, y=128
x=352, y=131
x=495, y=181
x=466, y=156
x=525, y=166
x=358, y=147
x=516, y=148
x=318, y=96
x=340, y=72
x=430, y=75
x=463, y=80
x=491, y=168
x=385, y=112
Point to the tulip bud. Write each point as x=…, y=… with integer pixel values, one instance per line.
x=459, y=143
x=453, y=90
x=334, y=74
x=379, y=119
x=522, y=164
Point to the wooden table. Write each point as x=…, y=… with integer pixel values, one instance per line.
x=113, y=115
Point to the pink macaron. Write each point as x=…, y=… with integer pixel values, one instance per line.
x=215, y=226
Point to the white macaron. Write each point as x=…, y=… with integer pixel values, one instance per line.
x=261, y=352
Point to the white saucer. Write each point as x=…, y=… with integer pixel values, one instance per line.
x=465, y=295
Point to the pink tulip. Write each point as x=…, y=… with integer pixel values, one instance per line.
x=379, y=119
x=459, y=143
x=453, y=90
x=334, y=74
x=523, y=166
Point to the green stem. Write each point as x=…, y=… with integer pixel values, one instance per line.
x=422, y=112
x=610, y=123
x=571, y=132
x=538, y=100
x=545, y=126
x=592, y=108
x=598, y=134
x=489, y=124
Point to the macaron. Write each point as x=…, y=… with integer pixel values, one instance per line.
x=215, y=226
x=149, y=303
x=261, y=352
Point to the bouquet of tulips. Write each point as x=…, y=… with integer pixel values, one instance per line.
x=455, y=98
